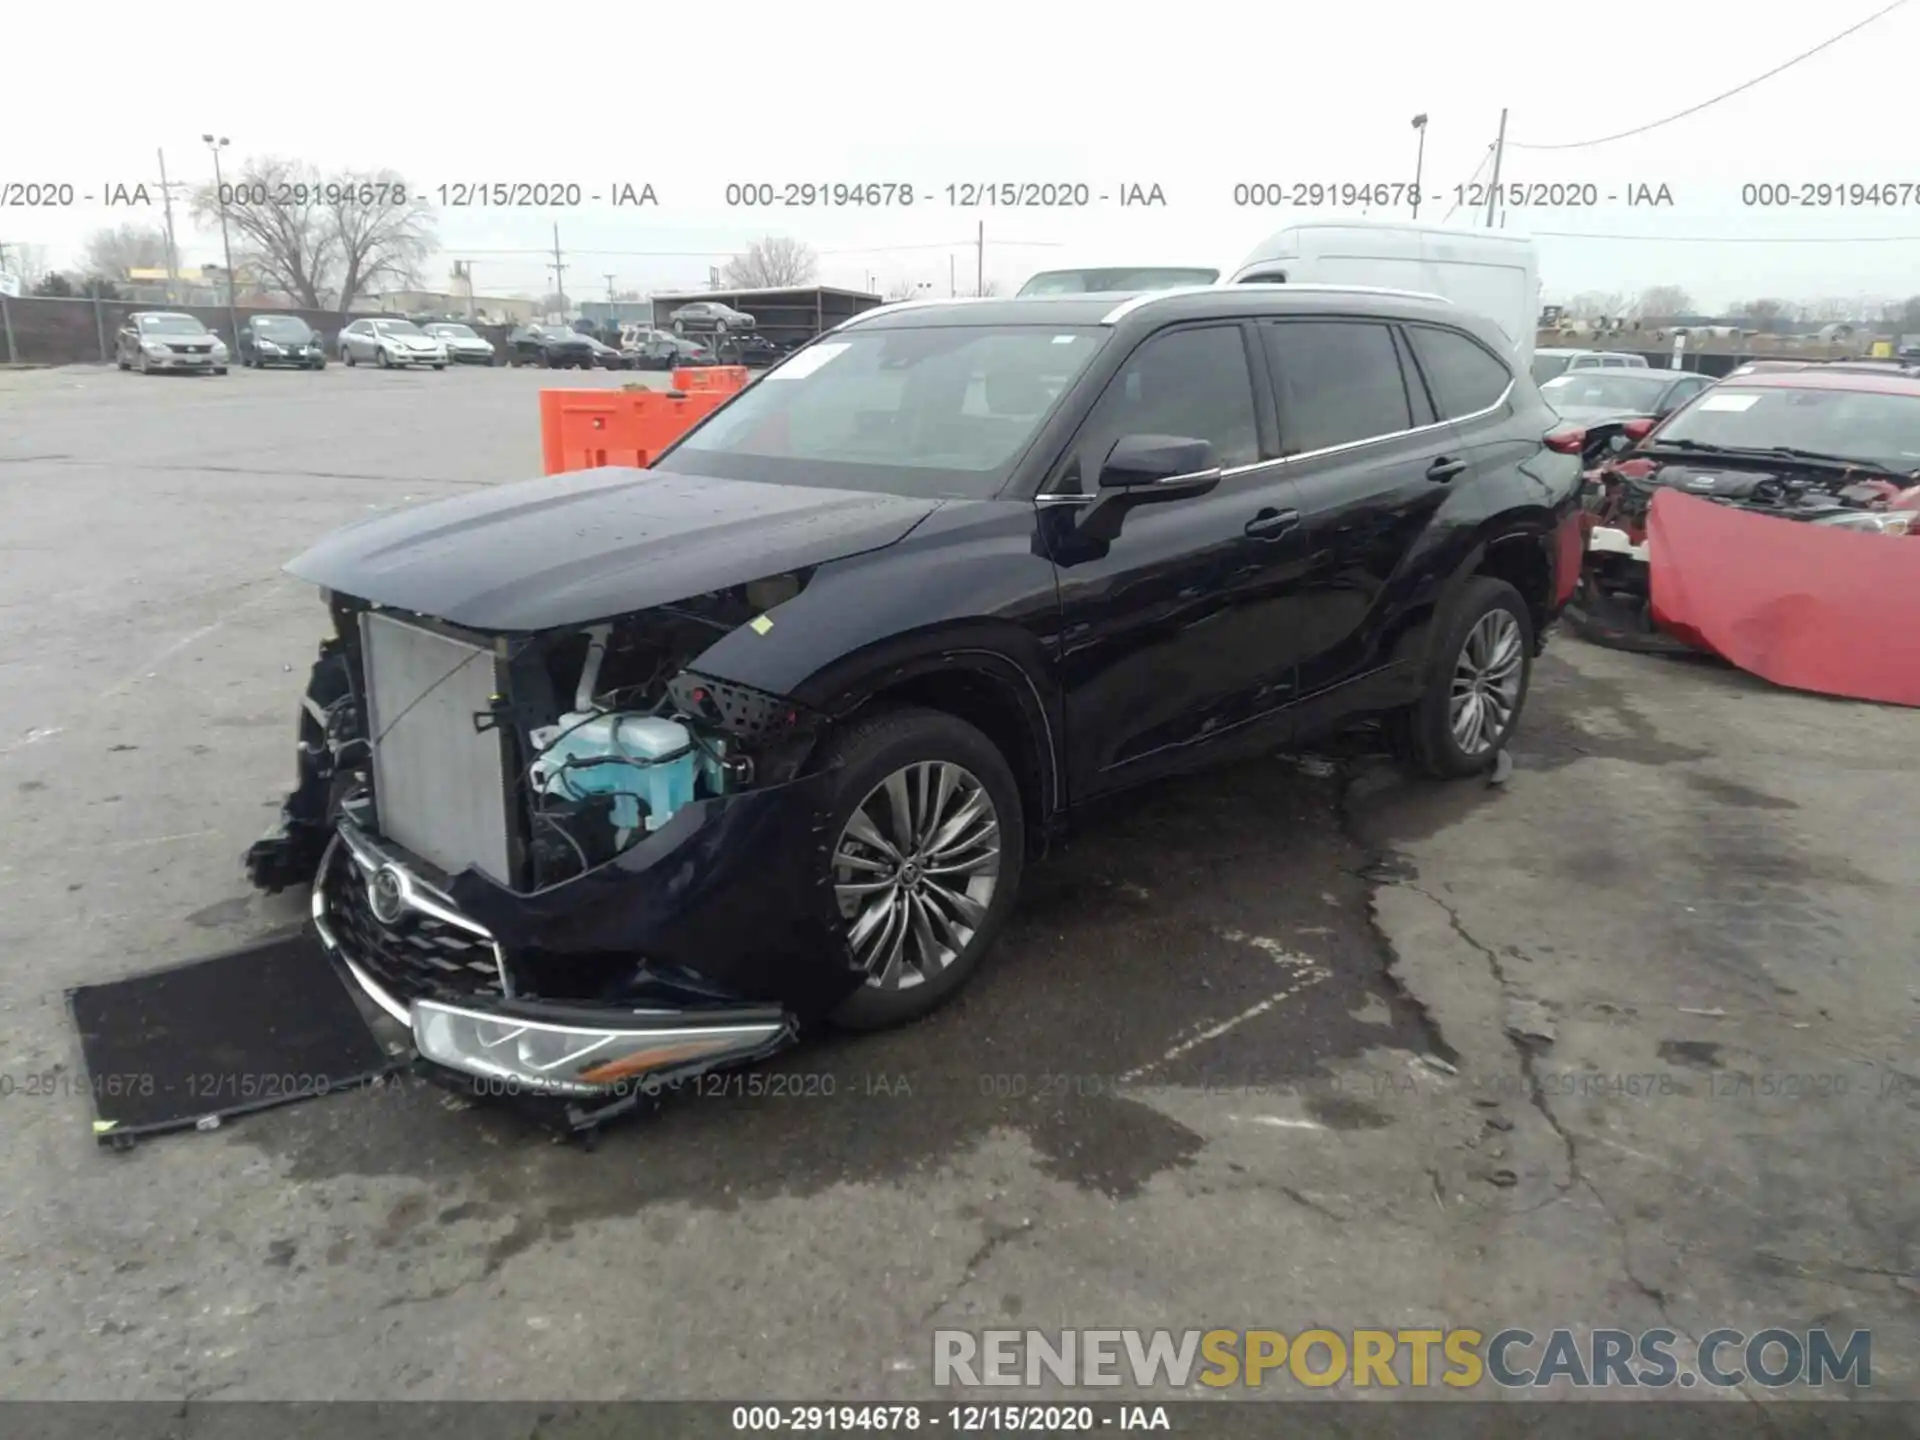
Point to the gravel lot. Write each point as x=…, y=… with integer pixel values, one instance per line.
x=1185, y=1092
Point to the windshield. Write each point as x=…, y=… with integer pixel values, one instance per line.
x=936, y=411
x=281, y=327
x=171, y=325
x=1545, y=367
x=397, y=327
x=1115, y=280
x=1606, y=389
x=453, y=332
x=1876, y=429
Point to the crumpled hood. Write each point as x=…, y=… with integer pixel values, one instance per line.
x=580, y=546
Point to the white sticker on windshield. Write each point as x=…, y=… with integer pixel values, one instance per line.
x=806, y=362
x=1729, y=402
x=1065, y=339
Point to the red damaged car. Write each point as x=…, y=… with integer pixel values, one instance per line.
x=1685, y=540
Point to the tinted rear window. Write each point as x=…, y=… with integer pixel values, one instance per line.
x=1463, y=377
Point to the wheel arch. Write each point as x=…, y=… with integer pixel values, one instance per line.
x=976, y=679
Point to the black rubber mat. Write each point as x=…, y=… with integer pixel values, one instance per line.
x=232, y=1033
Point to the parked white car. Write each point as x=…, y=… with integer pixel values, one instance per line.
x=389, y=343
x=465, y=346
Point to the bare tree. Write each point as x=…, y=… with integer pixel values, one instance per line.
x=383, y=233
x=1828, y=310
x=115, y=252
x=1765, y=313
x=986, y=291
x=324, y=240
x=29, y=262
x=1665, y=302
x=902, y=290
x=278, y=226
x=1597, y=305
x=771, y=263
x=1907, y=315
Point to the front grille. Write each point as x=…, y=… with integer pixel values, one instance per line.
x=190, y=349
x=421, y=956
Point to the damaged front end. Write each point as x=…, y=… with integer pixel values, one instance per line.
x=572, y=864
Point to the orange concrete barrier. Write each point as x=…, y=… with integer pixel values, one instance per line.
x=725, y=378
x=586, y=429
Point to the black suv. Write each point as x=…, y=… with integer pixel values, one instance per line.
x=676, y=760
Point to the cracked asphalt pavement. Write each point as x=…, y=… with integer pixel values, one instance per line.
x=1627, y=1040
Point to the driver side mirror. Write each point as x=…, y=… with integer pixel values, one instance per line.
x=1147, y=470
x=1165, y=464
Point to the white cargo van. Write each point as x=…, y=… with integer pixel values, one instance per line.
x=1491, y=272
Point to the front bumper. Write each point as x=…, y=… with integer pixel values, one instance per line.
x=171, y=361
x=480, y=1036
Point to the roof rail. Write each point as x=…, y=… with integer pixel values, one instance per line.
x=895, y=305
x=1127, y=307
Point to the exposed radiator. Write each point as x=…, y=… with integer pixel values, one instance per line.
x=439, y=785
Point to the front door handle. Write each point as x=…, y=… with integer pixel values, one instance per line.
x=1271, y=524
x=1444, y=469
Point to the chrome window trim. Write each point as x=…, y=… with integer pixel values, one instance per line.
x=1060, y=497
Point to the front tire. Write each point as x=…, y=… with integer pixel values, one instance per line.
x=927, y=863
x=346, y=357
x=1483, y=666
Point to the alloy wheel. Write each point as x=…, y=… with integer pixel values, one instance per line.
x=914, y=871
x=1486, y=683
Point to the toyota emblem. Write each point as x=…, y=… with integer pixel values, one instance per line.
x=384, y=896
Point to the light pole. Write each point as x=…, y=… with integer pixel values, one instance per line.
x=226, y=245
x=1419, y=160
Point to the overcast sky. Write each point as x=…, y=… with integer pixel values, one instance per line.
x=1193, y=98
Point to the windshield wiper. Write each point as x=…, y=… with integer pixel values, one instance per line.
x=1787, y=452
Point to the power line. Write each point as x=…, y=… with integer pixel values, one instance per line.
x=1467, y=183
x=968, y=243
x=1738, y=239
x=1725, y=95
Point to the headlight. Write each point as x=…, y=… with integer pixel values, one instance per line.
x=267, y=347
x=1876, y=522
x=153, y=347
x=218, y=348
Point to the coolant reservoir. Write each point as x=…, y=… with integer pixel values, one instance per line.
x=656, y=765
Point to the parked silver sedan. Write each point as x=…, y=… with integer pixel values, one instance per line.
x=388, y=343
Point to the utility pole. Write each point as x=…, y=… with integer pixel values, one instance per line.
x=980, y=259
x=173, y=252
x=1419, y=160
x=953, y=271
x=1499, y=149
x=609, y=289
x=226, y=246
x=559, y=273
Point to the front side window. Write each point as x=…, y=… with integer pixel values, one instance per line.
x=1193, y=383
x=1337, y=382
x=1464, y=376
x=943, y=410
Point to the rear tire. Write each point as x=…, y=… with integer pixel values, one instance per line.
x=953, y=874
x=1477, y=687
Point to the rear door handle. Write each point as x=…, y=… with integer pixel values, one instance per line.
x=1444, y=469
x=1272, y=524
